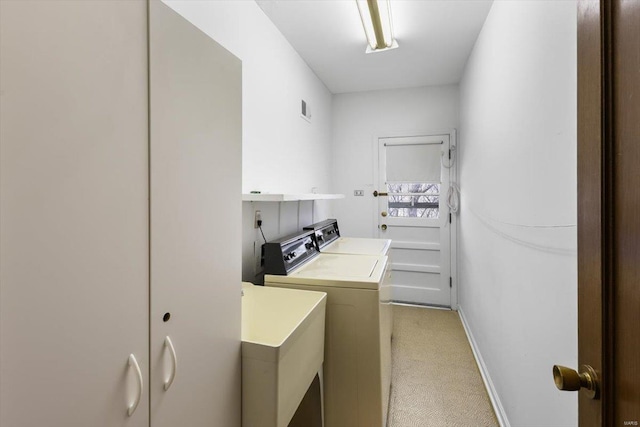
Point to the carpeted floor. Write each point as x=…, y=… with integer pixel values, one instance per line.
x=435, y=379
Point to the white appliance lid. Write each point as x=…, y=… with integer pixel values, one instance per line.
x=335, y=270
x=356, y=245
x=339, y=266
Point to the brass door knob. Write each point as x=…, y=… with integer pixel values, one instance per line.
x=383, y=226
x=383, y=213
x=568, y=379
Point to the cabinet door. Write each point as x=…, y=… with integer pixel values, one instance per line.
x=195, y=93
x=73, y=212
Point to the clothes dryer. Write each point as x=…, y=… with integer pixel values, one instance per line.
x=357, y=367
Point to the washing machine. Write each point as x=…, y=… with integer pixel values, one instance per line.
x=330, y=241
x=357, y=363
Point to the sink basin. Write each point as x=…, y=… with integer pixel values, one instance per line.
x=282, y=350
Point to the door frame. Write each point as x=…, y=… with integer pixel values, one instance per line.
x=593, y=251
x=453, y=178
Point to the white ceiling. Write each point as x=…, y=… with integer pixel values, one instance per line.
x=435, y=38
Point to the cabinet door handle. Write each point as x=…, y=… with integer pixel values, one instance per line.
x=134, y=363
x=174, y=362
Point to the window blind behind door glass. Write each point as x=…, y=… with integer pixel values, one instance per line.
x=413, y=160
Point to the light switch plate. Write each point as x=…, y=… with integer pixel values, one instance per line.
x=358, y=192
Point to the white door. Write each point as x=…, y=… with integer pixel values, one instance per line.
x=195, y=107
x=74, y=268
x=413, y=180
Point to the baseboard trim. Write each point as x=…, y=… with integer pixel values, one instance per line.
x=417, y=304
x=486, y=378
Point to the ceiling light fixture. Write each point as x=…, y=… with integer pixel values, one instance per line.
x=376, y=20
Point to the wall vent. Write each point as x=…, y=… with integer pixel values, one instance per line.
x=305, y=111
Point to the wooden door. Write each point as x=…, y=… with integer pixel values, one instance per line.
x=74, y=238
x=195, y=107
x=609, y=208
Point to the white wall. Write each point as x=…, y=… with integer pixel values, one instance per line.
x=279, y=219
x=517, y=241
x=276, y=140
x=281, y=151
x=358, y=118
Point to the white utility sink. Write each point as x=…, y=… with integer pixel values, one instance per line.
x=282, y=350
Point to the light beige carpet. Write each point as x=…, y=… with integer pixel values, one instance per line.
x=435, y=379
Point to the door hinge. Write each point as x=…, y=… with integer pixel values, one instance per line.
x=449, y=217
x=450, y=282
x=449, y=153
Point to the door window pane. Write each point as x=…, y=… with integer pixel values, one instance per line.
x=414, y=199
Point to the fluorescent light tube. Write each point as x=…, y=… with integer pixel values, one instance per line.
x=376, y=21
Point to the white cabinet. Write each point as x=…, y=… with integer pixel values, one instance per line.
x=111, y=215
x=195, y=92
x=73, y=212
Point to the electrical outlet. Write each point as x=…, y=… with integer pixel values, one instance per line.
x=358, y=192
x=257, y=218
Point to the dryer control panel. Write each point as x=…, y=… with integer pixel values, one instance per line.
x=283, y=255
x=325, y=231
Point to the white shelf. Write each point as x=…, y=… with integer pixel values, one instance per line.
x=268, y=197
